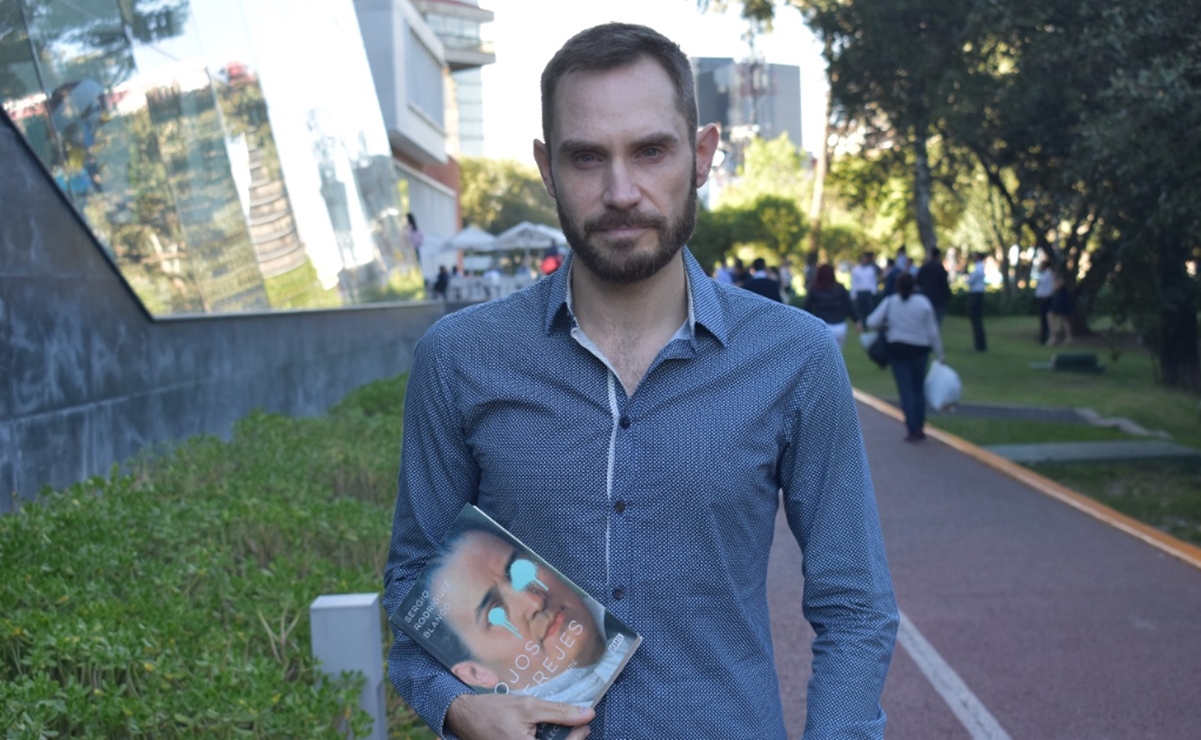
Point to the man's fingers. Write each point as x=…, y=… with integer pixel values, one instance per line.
x=580, y=733
x=558, y=713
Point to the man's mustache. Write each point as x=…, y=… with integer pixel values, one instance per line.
x=624, y=220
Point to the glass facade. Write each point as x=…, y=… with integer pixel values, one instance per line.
x=228, y=155
x=469, y=88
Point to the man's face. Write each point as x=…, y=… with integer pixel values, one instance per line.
x=622, y=169
x=521, y=622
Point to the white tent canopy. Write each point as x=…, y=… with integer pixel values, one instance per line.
x=530, y=236
x=472, y=239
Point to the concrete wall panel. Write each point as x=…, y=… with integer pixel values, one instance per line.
x=87, y=379
x=48, y=343
x=8, y=482
x=50, y=450
x=6, y=360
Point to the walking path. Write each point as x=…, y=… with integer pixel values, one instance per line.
x=1023, y=617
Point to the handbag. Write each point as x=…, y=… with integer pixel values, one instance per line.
x=878, y=349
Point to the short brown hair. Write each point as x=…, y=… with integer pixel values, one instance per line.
x=612, y=45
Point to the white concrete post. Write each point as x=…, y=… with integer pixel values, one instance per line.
x=346, y=637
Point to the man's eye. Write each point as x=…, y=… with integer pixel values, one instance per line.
x=585, y=158
x=652, y=152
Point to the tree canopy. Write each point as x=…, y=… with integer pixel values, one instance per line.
x=496, y=194
x=1081, y=117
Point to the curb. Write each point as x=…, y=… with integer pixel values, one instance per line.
x=1166, y=543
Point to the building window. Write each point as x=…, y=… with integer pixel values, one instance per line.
x=424, y=77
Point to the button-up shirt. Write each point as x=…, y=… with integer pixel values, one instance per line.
x=975, y=279
x=660, y=504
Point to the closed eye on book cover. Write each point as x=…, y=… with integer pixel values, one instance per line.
x=498, y=617
x=522, y=573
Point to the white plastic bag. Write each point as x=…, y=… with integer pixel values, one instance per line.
x=866, y=338
x=942, y=387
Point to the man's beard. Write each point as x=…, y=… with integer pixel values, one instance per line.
x=619, y=262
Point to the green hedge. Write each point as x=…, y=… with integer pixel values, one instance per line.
x=172, y=600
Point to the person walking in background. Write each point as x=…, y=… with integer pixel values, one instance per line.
x=1042, y=294
x=762, y=283
x=441, y=283
x=723, y=273
x=830, y=301
x=975, y=302
x=551, y=260
x=892, y=270
x=934, y=283
x=1061, y=308
x=414, y=235
x=865, y=276
x=912, y=330
x=785, y=274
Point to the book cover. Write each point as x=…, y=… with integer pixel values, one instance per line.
x=505, y=621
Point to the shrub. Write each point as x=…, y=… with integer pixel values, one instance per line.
x=172, y=600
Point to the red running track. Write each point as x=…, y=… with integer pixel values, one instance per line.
x=1058, y=625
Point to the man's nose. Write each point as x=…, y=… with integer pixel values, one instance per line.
x=621, y=186
x=526, y=602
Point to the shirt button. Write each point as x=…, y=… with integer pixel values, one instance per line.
x=625, y=422
x=619, y=506
x=619, y=594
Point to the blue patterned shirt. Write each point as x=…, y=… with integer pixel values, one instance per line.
x=660, y=504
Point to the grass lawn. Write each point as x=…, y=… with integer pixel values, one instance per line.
x=1164, y=494
x=1167, y=496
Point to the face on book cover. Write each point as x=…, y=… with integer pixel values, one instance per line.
x=523, y=624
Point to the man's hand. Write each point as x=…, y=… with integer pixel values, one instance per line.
x=507, y=717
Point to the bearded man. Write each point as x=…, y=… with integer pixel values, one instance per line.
x=638, y=425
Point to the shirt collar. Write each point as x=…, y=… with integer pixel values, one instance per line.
x=704, y=307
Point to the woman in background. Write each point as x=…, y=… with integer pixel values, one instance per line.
x=912, y=331
x=829, y=301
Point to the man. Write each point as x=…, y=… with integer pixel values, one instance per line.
x=761, y=283
x=514, y=627
x=865, y=276
x=934, y=283
x=784, y=273
x=1043, y=290
x=891, y=272
x=723, y=273
x=975, y=302
x=664, y=506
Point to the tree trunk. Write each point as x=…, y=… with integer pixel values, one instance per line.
x=1179, y=362
x=816, y=206
x=922, y=191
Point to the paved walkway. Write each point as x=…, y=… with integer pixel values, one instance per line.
x=1024, y=617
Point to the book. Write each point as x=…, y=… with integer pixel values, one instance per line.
x=503, y=620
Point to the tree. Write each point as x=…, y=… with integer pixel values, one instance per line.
x=1142, y=145
x=497, y=194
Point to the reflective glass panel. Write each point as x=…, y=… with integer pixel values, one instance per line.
x=214, y=181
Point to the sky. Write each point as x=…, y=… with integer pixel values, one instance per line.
x=526, y=33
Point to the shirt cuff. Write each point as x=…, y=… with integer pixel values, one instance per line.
x=425, y=685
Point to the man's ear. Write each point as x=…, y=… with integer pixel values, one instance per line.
x=542, y=157
x=475, y=674
x=707, y=140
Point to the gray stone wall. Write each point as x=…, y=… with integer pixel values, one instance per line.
x=88, y=379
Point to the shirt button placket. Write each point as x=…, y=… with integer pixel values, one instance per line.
x=622, y=527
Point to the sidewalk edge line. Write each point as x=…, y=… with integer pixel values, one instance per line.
x=1166, y=543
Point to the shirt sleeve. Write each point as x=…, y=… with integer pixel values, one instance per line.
x=438, y=475
x=848, y=595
